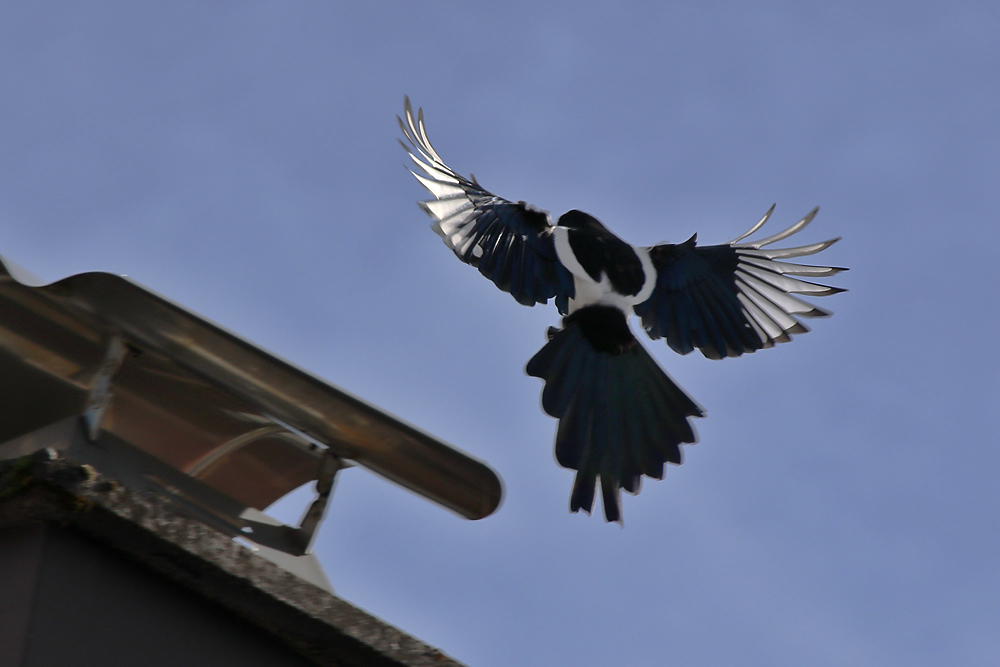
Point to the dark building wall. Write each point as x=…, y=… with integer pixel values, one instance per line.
x=67, y=601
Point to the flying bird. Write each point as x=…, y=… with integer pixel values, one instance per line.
x=620, y=415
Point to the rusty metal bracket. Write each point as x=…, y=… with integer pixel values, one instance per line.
x=313, y=517
x=100, y=396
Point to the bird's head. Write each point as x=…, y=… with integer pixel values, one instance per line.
x=579, y=220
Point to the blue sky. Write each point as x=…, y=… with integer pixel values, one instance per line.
x=842, y=504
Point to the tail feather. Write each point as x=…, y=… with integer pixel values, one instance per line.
x=575, y=435
x=556, y=396
x=620, y=416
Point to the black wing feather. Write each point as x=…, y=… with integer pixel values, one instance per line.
x=510, y=243
x=734, y=298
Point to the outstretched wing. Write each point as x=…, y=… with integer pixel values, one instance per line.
x=511, y=244
x=733, y=298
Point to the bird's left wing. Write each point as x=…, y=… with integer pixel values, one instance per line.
x=733, y=298
x=510, y=243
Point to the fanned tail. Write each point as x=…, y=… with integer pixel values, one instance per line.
x=620, y=415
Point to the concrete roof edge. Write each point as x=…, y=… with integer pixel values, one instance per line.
x=322, y=627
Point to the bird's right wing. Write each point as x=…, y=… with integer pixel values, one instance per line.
x=510, y=243
x=733, y=298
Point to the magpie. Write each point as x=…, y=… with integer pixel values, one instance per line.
x=620, y=415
